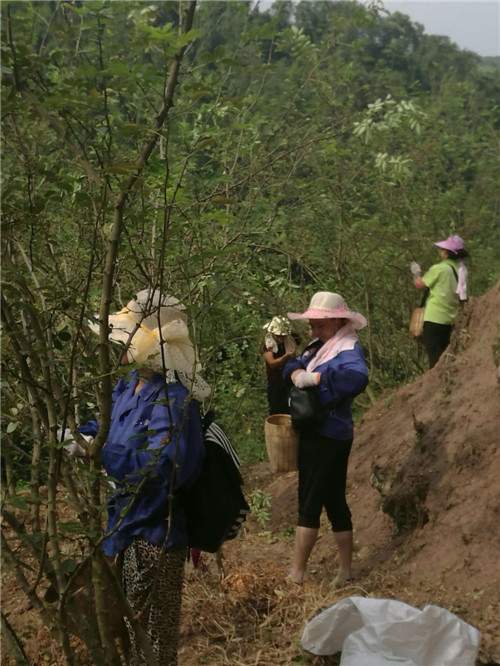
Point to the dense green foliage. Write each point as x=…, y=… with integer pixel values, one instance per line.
x=263, y=186
x=315, y=146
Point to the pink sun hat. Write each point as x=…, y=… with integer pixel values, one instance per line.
x=452, y=243
x=327, y=305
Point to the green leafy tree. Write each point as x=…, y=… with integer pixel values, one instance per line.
x=240, y=160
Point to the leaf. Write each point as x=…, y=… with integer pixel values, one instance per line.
x=18, y=503
x=123, y=167
x=223, y=200
x=118, y=68
x=72, y=527
x=198, y=94
x=206, y=142
x=69, y=565
x=87, y=70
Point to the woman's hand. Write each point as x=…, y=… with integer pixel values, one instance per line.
x=302, y=379
x=419, y=283
x=74, y=450
x=416, y=271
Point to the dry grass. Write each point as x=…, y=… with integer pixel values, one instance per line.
x=252, y=617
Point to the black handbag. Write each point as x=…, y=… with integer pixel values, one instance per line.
x=306, y=409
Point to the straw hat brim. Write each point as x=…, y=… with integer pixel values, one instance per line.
x=357, y=320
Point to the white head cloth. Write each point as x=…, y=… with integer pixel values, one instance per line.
x=153, y=328
x=278, y=326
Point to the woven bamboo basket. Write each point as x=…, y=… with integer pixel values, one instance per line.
x=416, y=327
x=282, y=443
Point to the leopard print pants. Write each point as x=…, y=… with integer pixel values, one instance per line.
x=152, y=581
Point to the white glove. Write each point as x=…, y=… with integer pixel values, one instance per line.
x=73, y=449
x=304, y=379
x=415, y=269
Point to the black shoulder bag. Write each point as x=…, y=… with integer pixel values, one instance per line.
x=306, y=409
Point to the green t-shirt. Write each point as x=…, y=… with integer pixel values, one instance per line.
x=442, y=303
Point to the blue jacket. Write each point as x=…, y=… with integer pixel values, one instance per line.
x=139, y=456
x=342, y=379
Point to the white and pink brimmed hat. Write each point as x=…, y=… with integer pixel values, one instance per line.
x=327, y=305
x=153, y=329
x=452, y=243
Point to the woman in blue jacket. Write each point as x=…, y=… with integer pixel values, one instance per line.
x=334, y=363
x=154, y=447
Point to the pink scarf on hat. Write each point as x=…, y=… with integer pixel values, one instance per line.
x=343, y=340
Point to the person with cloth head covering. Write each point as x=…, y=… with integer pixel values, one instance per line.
x=277, y=347
x=446, y=282
x=333, y=362
x=154, y=447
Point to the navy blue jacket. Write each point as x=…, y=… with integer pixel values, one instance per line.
x=146, y=438
x=342, y=379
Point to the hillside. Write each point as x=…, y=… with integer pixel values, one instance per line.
x=431, y=449
x=428, y=454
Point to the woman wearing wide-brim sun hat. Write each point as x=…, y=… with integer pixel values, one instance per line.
x=447, y=285
x=154, y=448
x=333, y=362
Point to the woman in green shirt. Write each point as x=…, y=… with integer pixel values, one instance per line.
x=446, y=282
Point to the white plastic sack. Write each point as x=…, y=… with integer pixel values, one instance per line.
x=377, y=632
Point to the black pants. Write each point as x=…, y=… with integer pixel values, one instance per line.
x=436, y=339
x=277, y=398
x=322, y=481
